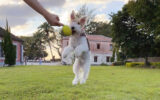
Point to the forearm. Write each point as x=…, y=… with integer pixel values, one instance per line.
x=52, y=19
x=37, y=6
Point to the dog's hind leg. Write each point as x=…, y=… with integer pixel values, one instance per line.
x=76, y=70
x=85, y=69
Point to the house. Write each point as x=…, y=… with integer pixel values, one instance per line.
x=100, y=46
x=19, y=48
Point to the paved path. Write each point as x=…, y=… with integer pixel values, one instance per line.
x=43, y=63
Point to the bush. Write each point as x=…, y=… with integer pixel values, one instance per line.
x=156, y=64
x=141, y=64
x=8, y=48
x=118, y=63
x=134, y=64
x=103, y=64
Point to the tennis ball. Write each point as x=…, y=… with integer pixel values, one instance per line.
x=66, y=30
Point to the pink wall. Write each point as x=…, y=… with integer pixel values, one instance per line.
x=93, y=41
x=18, y=44
x=104, y=47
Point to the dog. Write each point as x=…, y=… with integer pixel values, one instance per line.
x=78, y=44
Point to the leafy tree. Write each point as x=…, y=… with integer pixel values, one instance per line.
x=8, y=48
x=134, y=42
x=89, y=14
x=49, y=35
x=92, y=27
x=147, y=12
x=34, y=47
x=57, y=42
x=101, y=28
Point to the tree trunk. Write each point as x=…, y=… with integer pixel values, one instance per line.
x=50, y=49
x=147, y=64
x=59, y=53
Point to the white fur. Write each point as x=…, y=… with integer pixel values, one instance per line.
x=79, y=45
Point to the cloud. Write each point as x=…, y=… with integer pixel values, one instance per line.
x=19, y=13
x=26, y=29
x=16, y=14
x=101, y=18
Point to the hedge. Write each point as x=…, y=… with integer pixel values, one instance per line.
x=118, y=63
x=141, y=64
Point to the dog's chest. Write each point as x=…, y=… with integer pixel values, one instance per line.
x=75, y=41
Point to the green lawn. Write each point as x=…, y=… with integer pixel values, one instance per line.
x=54, y=83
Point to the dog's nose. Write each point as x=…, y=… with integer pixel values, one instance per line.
x=72, y=28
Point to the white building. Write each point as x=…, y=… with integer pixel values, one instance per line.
x=100, y=46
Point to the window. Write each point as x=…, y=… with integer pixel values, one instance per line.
x=107, y=59
x=111, y=47
x=1, y=50
x=98, y=46
x=95, y=58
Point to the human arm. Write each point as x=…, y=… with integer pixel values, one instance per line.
x=51, y=18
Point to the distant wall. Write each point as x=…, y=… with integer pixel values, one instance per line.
x=150, y=59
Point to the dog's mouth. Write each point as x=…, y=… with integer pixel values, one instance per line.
x=73, y=31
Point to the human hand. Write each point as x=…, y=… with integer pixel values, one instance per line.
x=53, y=20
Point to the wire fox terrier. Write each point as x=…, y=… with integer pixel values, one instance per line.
x=79, y=45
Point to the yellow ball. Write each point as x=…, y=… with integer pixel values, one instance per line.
x=66, y=30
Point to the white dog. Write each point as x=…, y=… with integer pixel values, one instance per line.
x=78, y=44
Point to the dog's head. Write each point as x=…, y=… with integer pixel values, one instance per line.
x=77, y=24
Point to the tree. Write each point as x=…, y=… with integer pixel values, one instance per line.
x=34, y=47
x=57, y=42
x=92, y=27
x=101, y=28
x=49, y=35
x=134, y=42
x=8, y=48
x=89, y=13
x=147, y=12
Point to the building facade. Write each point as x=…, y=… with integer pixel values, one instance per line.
x=17, y=42
x=100, y=46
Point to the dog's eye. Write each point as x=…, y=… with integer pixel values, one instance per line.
x=78, y=23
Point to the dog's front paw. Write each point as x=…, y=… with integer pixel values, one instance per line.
x=63, y=63
x=64, y=56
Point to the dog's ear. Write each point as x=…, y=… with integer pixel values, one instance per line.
x=82, y=20
x=72, y=15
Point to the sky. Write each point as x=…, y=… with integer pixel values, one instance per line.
x=24, y=21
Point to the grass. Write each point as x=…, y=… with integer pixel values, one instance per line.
x=54, y=83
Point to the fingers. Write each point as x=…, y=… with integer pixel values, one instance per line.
x=59, y=24
x=54, y=20
x=57, y=18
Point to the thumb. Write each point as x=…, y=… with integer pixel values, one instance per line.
x=59, y=24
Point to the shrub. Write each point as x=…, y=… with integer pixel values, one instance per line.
x=134, y=64
x=103, y=64
x=156, y=64
x=141, y=64
x=118, y=63
x=8, y=48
